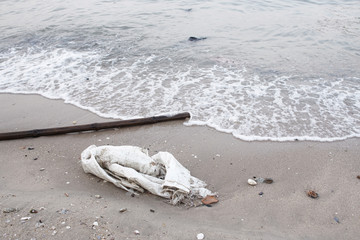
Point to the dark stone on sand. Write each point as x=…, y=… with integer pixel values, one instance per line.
x=195, y=39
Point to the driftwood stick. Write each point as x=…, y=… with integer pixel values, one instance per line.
x=91, y=127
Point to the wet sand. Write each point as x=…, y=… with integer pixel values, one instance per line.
x=50, y=179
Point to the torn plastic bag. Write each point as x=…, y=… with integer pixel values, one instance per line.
x=132, y=169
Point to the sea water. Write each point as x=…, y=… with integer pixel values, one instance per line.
x=268, y=70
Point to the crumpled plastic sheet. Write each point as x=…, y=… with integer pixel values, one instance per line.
x=132, y=169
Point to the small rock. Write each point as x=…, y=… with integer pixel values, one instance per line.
x=67, y=227
x=252, y=182
x=152, y=210
x=33, y=211
x=261, y=193
x=66, y=194
x=10, y=210
x=97, y=196
x=74, y=122
x=54, y=233
x=200, y=236
x=35, y=159
x=195, y=39
x=336, y=219
x=42, y=169
x=123, y=210
x=95, y=224
x=137, y=232
x=31, y=148
x=53, y=227
x=67, y=182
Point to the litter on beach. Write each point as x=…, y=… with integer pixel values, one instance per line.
x=132, y=169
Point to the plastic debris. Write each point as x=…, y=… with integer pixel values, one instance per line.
x=252, y=182
x=132, y=169
x=63, y=211
x=209, y=200
x=200, y=236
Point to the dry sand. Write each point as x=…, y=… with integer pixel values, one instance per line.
x=50, y=179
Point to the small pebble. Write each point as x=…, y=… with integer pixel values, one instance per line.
x=200, y=236
x=66, y=194
x=68, y=227
x=123, y=210
x=336, y=219
x=67, y=182
x=95, y=224
x=42, y=169
x=31, y=148
x=261, y=193
x=97, y=196
x=33, y=211
x=35, y=158
x=137, y=232
x=152, y=210
x=54, y=233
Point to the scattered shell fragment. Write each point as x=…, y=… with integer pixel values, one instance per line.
x=95, y=224
x=252, y=182
x=68, y=227
x=152, y=210
x=54, y=233
x=200, y=236
x=312, y=194
x=42, y=169
x=137, y=232
x=10, y=210
x=209, y=200
x=97, y=196
x=25, y=218
x=33, y=211
x=123, y=210
x=66, y=194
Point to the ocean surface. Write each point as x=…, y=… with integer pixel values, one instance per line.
x=276, y=70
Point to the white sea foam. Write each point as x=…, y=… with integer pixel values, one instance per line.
x=230, y=99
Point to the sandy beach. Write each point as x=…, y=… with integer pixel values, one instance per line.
x=50, y=179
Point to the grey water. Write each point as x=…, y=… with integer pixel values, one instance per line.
x=267, y=70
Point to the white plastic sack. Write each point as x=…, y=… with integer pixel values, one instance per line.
x=132, y=169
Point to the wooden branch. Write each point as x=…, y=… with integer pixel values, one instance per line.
x=91, y=127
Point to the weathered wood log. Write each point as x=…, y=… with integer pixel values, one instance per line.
x=91, y=127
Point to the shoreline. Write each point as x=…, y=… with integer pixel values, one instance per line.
x=284, y=211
